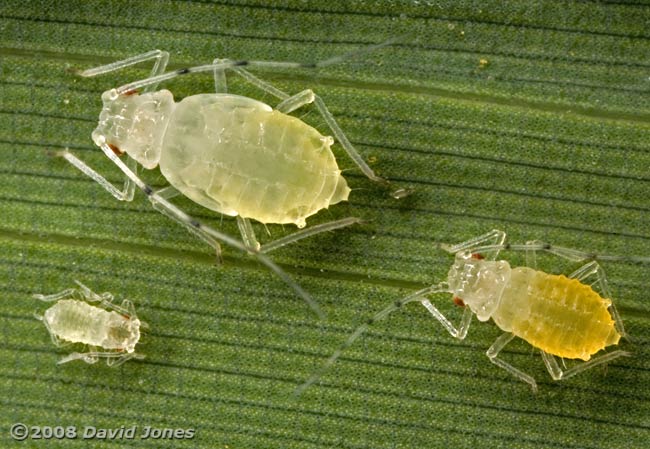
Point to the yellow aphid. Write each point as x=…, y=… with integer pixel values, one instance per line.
x=562, y=316
x=558, y=315
x=115, y=329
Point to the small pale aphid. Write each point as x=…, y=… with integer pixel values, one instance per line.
x=109, y=330
x=234, y=155
x=562, y=316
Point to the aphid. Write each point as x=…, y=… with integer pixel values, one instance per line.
x=561, y=316
x=229, y=153
x=113, y=328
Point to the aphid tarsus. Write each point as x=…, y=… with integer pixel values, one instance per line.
x=115, y=329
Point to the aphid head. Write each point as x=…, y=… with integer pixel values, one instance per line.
x=127, y=332
x=135, y=124
x=479, y=283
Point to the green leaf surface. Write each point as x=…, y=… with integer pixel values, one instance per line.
x=530, y=117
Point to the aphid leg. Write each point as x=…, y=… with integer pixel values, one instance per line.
x=308, y=232
x=161, y=59
x=181, y=217
x=531, y=256
x=494, y=351
x=67, y=293
x=250, y=240
x=114, y=359
x=171, y=192
x=558, y=373
x=106, y=300
x=593, y=269
x=220, y=83
x=297, y=101
x=126, y=194
x=494, y=238
x=396, y=305
x=465, y=321
x=90, y=295
x=248, y=233
x=397, y=193
x=88, y=357
x=127, y=308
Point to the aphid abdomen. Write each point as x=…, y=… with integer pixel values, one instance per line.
x=78, y=322
x=238, y=156
x=556, y=314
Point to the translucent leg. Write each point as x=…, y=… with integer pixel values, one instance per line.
x=558, y=373
x=117, y=361
x=465, y=321
x=83, y=292
x=220, y=83
x=248, y=233
x=494, y=351
x=67, y=293
x=308, y=232
x=494, y=238
x=170, y=192
x=531, y=256
x=88, y=357
x=126, y=194
x=164, y=206
x=112, y=358
x=299, y=100
x=127, y=308
x=417, y=296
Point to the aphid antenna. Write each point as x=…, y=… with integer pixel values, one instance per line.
x=228, y=64
x=420, y=295
x=178, y=215
x=574, y=254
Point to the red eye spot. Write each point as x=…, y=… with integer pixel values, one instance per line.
x=130, y=92
x=477, y=256
x=459, y=302
x=115, y=149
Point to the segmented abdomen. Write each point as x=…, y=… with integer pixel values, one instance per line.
x=78, y=322
x=237, y=156
x=556, y=314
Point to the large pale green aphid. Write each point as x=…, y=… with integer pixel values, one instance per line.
x=111, y=331
x=232, y=154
